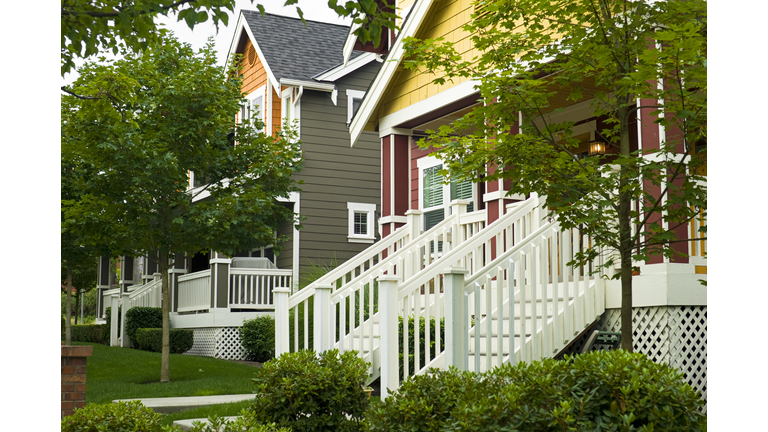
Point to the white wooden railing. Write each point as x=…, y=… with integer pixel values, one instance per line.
x=355, y=280
x=195, y=291
x=551, y=303
x=252, y=288
x=147, y=295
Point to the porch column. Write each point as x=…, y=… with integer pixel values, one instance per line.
x=219, y=280
x=179, y=268
x=152, y=268
x=102, y=284
x=126, y=273
x=395, y=179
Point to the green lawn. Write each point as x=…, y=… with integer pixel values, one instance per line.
x=122, y=373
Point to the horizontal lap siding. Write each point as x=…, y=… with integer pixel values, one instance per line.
x=334, y=173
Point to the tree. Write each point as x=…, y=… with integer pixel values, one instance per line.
x=623, y=55
x=157, y=116
x=89, y=27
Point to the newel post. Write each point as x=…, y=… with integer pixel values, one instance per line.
x=282, y=331
x=322, y=318
x=456, y=326
x=388, y=347
x=413, y=220
x=113, y=320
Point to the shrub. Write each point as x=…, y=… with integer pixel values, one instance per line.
x=87, y=333
x=122, y=416
x=601, y=390
x=142, y=317
x=309, y=392
x=245, y=423
x=106, y=328
x=423, y=402
x=422, y=342
x=258, y=338
x=151, y=339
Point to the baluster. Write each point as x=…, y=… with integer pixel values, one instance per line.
x=342, y=321
x=478, y=300
x=417, y=328
x=488, y=322
x=535, y=349
x=525, y=266
x=511, y=273
x=500, y=313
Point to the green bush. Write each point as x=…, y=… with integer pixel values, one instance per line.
x=87, y=333
x=122, y=416
x=151, y=339
x=422, y=342
x=105, y=329
x=258, y=338
x=601, y=390
x=309, y=392
x=245, y=423
x=423, y=402
x=142, y=317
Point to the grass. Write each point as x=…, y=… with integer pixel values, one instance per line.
x=121, y=373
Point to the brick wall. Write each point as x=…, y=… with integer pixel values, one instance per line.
x=73, y=367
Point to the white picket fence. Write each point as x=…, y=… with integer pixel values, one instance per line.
x=194, y=291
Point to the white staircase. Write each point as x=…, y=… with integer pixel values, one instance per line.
x=459, y=271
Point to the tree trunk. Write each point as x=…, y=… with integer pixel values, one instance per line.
x=77, y=306
x=625, y=237
x=68, y=331
x=165, y=359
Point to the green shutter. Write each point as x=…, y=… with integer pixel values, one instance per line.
x=432, y=187
x=463, y=190
x=433, y=218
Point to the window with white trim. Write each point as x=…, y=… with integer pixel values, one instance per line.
x=435, y=196
x=290, y=109
x=354, y=99
x=361, y=222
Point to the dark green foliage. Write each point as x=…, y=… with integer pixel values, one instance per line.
x=63, y=325
x=105, y=329
x=258, y=338
x=151, y=339
x=422, y=342
x=312, y=392
x=601, y=390
x=142, y=317
x=122, y=416
x=246, y=422
x=423, y=402
x=87, y=333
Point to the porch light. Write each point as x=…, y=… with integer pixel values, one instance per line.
x=597, y=148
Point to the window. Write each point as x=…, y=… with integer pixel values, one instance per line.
x=361, y=229
x=435, y=196
x=354, y=99
x=290, y=110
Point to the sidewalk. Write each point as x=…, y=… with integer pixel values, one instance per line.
x=176, y=404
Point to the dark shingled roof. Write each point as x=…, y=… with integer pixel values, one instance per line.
x=296, y=51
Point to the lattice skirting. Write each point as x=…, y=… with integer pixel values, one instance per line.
x=218, y=342
x=675, y=335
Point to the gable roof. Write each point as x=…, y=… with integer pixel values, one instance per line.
x=376, y=90
x=293, y=50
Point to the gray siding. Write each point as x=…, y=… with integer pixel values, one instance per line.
x=334, y=174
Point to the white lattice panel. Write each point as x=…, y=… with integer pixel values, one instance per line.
x=228, y=345
x=675, y=335
x=204, y=342
x=217, y=342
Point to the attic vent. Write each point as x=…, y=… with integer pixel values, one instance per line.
x=251, y=56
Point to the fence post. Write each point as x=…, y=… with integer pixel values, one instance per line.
x=282, y=330
x=322, y=318
x=413, y=220
x=388, y=345
x=456, y=327
x=114, y=317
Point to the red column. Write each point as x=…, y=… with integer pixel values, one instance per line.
x=395, y=181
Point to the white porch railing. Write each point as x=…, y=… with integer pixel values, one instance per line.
x=147, y=295
x=195, y=291
x=252, y=288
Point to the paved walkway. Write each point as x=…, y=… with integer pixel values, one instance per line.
x=176, y=404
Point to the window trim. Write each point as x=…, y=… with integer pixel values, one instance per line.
x=260, y=92
x=370, y=210
x=351, y=96
x=430, y=162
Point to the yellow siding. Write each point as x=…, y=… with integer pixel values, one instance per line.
x=445, y=20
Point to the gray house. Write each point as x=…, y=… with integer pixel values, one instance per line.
x=292, y=72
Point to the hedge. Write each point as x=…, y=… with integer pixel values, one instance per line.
x=151, y=339
x=121, y=416
x=142, y=317
x=258, y=338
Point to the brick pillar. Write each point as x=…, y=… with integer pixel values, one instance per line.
x=73, y=367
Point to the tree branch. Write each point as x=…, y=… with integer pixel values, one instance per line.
x=65, y=90
x=115, y=14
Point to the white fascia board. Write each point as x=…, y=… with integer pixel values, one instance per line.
x=444, y=98
x=387, y=71
x=346, y=68
x=349, y=44
x=242, y=25
x=309, y=85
